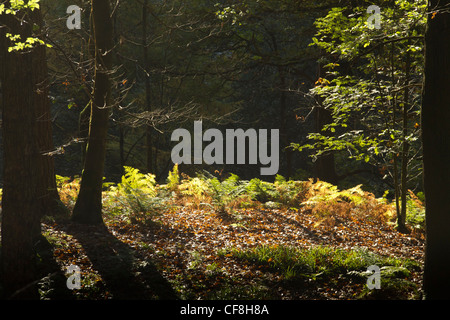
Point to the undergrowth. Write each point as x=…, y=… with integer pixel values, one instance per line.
x=285, y=215
x=316, y=261
x=139, y=197
x=327, y=265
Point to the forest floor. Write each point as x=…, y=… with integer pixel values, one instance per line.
x=199, y=253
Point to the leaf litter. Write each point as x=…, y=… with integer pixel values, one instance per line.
x=183, y=244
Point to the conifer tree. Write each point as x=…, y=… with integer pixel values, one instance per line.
x=88, y=208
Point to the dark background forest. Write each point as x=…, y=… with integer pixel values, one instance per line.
x=195, y=63
x=241, y=65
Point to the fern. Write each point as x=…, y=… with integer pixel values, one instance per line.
x=224, y=192
x=61, y=181
x=261, y=191
x=135, y=182
x=415, y=212
x=326, y=200
x=290, y=193
x=137, y=194
x=194, y=187
x=173, y=180
x=326, y=192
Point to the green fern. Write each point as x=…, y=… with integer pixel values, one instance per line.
x=223, y=192
x=290, y=192
x=194, y=187
x=173, y=179
x=137, y=193
x=134, y=181
x=261, y=191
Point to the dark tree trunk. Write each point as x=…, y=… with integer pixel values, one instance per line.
x=20, y=204
x=48, y=192
x=149, y=130
x=85, y=114
x=436, y=151
x=401, y=219
x=88, y=208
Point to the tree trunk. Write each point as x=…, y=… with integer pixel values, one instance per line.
x=48, y=192
x=324, y=166
x=20, y=204
x=88, y=208
x=85, y=114
x=401, y=220
x=119, y=114
x=83, y=130
x=150, y=167
x=436, y=151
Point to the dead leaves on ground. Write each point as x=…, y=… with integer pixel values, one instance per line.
x=184, y=244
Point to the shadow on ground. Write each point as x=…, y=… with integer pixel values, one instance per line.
x=125, y=276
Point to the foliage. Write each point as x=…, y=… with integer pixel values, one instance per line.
x=214, y=58
x=135, y=196
x=222, y=193
x=138, y=195
x=377, y=83
x=321, y=236
x=289, y=193
x=68, y=189
x=194, y=190
x=15, y=7
x=261, y=191
x=134, y=182
x=415, y=215
x=326, y=192
x=372, y=88
x=327, y=201
x=315, y=262
x=173, y=179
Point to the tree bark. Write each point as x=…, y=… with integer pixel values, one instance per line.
x=88, y=208
x=20, y=201
x=85, y=114
x=436, y=151
x=48, y=192
x=324, y=166
x=401, y=219
x=149, y=130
